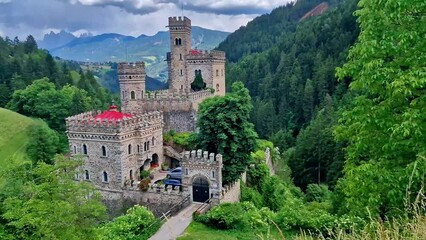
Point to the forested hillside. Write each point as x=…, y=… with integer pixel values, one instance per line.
x=296, y=94
x=265, y=31
x=35, y=84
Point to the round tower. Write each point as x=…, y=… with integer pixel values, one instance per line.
x=180, y=45
x=132, y=85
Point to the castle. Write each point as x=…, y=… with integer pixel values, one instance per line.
x=117, y=147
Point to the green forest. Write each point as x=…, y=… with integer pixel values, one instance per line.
x=339, y=98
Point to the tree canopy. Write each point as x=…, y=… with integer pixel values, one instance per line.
x=386, y=125
x=224, y=128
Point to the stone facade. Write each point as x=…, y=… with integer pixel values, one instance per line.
x=179, y=103
x=115, y=150
x=204, y=166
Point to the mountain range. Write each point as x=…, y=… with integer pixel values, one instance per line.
x=116, y=47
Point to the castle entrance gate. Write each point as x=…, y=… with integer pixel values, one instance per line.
x=200, y=189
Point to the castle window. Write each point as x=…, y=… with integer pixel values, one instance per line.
x=122, y=93
x=86, y=175
x=217, y=87
x=221, y=72
x=74, y=149
x=144, y=146
x=129, y=149
x=153, y=139
x=217, y=72
x=141, y=94
x=180, y=41
x=176, y=41
x=139, y=149
x=104, y=151
x=180, y=56
x=130, y=77
x=132, y=95
x=213, y=174
x=131, y=175
x=147, y=145
x=105, y=176
x=186, y=171
x=181, y=72
x=84, y=149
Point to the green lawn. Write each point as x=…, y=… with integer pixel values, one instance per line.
x=13, y=135
x=200, y=231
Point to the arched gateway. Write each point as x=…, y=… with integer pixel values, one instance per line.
x=200, y=189
x=201, y=174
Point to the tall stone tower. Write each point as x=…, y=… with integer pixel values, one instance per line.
x=132, y=85
x=180, y=45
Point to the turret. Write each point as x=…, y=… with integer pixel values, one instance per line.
x=180, y=45
x=132, y=85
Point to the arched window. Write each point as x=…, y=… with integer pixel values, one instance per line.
x=217, y=87
x=186, y=171
x=84, y=149
x=153, y=141
x=74, y=149
x=180, y=41
x=86, y=175
x=131, y=174
x=105, y=176
x=180, y=56
x=132, y=95
x=139, y=148
x=176, y=41
x=147, y=145
x=181, y=72
x=144, y=146
x=104, y=151
x=213, y=174
x=129, y=149
x=217, y=72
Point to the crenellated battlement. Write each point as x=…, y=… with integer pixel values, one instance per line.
x=86, y=122
x=201, y=157
x=210, y=55
x=137, y=68
x=179, y=22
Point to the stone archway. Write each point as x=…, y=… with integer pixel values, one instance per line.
x=200, y=189
x=154, y=161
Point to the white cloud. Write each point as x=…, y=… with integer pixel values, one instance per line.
x=129, y=17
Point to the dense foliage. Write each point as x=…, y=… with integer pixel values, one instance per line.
x=291, y=84
x=385, y=126
x=45, y=202
x=138, y=223
x=265, y=31
x=64, y=91
x=224, y=128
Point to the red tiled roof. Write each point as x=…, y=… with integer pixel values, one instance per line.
x=195, y=52
x=113, y=114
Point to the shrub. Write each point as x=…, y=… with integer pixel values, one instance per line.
x=137, y=223
x=318, y=193
x=144, y=174
x=251, y=195
x=144, y=184
x=243, y=215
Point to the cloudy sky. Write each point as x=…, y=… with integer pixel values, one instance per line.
x=130, y=17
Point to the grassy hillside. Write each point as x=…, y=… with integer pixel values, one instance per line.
x=13, y=134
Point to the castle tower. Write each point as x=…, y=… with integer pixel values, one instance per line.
x=180, y=45
x=132, y=85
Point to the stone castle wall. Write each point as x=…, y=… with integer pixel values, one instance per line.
x=231, y=193
x=118, y=201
